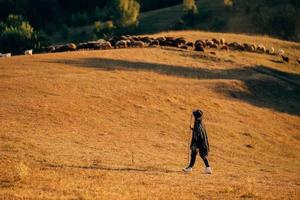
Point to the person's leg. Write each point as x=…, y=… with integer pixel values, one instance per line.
x=205, y=160
x=203, y=155
x=193, y=158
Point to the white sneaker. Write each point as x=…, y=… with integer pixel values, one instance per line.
x=188, y=169
x=207, y=170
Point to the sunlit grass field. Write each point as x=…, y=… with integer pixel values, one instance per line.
x=114, y=124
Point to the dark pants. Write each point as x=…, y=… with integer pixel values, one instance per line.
x=193, y=158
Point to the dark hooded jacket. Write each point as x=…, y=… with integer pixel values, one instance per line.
x=199, y=139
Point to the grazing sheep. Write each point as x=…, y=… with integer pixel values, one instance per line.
x=248, y=47
x=272, y=50
x=285, y=58
x=215, y=46
x=153, y=46
x=121, y=44
x=67, y=47
x=161, y=39
x=28, y=52
x=254, y=47
x=123, y=38
x=200, y=42
x=5, y=55
x=138, y=44
x=234, y=46
x=199, y=46
x=103, y=45
x=170, y=38
x=146, y=39
x=209, y=43
x=171, y=43
x=280, y=52
x=261, y=49
x=181, y=40
x=184, y=47
x=71, y=47
x=216, y=41
x=222, y=41
x=224, y=48
x=82, y=45
x=154, y=42
x=136, y=38
x=190, y=44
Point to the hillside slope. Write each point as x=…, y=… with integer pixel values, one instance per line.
x=115, y=123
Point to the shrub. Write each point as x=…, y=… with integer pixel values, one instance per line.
x=179, y=25
x=17, y=35
x=281, y=21
x=104, y=29
x=64, y=32
x=79, y=19
x=190, y=6
x=126, y=12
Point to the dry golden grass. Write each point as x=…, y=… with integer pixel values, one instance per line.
x=114, y=124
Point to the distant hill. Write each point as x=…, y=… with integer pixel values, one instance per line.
x=249, y=17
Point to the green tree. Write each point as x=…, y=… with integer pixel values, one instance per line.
x=191, y=10
x=17, y=35
x=190, y=6
x=126, y=12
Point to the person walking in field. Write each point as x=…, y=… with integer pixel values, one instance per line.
x=199, y=143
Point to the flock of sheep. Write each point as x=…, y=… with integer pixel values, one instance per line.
x=140, y=42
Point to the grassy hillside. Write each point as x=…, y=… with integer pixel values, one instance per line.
x=114, y=123
x=213, y=16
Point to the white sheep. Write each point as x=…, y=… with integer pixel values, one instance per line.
x=121, y=44
x=5, y=55
x=280, y=52
x=138, y=44
x=28, y=52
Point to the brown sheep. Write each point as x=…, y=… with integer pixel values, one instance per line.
x=181, y=40
x=48, y=49
x=200, y=42
x=184, y=47
x=261, y=49
x=190, y=44
x=161, y=39
x=285, y=58
x=155, y=42
x=170, y=38
x=138, y=44
x=209, y=43
x=103, y=45
x=234, y=46
x=66, y=47
x=215, y=46
x=224, y=48
x=121, y=44
x=216, y=41
x=222, y=41
x=199, y=46
x=247, y=47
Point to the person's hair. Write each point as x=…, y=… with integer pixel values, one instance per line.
x=198, y=114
